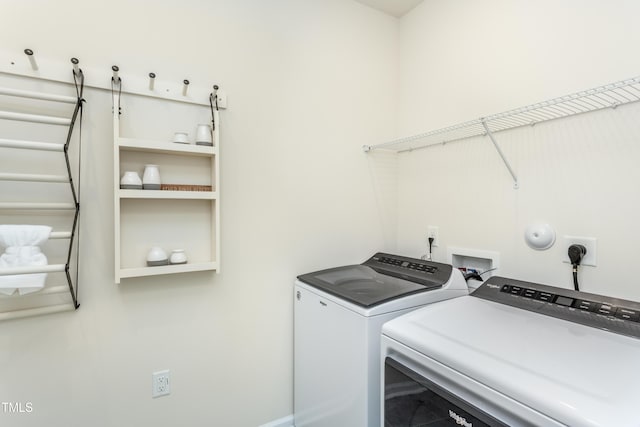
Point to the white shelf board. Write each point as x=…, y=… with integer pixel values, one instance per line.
x=167, y=194
x=133, y=144
x=167, y=269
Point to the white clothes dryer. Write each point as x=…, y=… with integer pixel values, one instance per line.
x=514, y=353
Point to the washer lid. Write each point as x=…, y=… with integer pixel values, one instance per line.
x=362, y=285
x=382, y=278
x=575, y=374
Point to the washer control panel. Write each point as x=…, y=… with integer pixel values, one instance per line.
x=411, y=265
x=412, y=269
x=613, y=314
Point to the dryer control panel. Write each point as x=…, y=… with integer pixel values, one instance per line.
x=598, y=311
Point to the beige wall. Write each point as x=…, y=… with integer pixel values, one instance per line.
x=308, y=83
x=464, y=59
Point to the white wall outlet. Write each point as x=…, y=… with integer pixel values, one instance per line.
x=587, y=242
x=161, y=386
x=432, y=231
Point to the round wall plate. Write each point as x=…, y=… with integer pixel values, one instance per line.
x=539, y=236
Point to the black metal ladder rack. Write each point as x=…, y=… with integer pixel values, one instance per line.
x=73, y=234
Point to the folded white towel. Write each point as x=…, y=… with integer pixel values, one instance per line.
x=22, y=250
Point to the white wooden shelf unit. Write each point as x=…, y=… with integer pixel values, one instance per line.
x=607, y=96
x=146, y=218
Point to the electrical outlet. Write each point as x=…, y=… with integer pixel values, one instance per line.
x=587, y=242
x=432, y=231
x=160, y=384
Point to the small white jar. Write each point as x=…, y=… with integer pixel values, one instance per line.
x=156, y=256
x=181, y=138
x=131, y=180
x=178, y=257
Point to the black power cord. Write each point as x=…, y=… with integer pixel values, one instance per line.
x=477, y=276
x=576, y=253
x=431, y=239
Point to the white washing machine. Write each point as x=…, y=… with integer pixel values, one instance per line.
x=338, y=319
x=514, y=353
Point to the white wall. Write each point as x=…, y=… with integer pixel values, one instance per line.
x=463, y=59
x=308, y=83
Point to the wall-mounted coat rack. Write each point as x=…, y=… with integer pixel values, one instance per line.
x=607, y=96
x=143, y=84
x=25, y=272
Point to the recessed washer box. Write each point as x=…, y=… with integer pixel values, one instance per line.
x=478, y=259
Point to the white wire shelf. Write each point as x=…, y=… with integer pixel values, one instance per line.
x=607, y=96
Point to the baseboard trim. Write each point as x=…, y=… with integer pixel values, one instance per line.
x=282, y=422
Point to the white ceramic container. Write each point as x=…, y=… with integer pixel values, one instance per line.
x=157, y=256
x=204, y=135
x=178, y=257
x=151, y=178
x=181, y=137
x=131, y=180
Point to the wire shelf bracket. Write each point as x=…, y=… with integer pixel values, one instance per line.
x=502, y=156
x=608, y=96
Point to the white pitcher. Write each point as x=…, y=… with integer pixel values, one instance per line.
x=203, y=135
x=151, y=178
